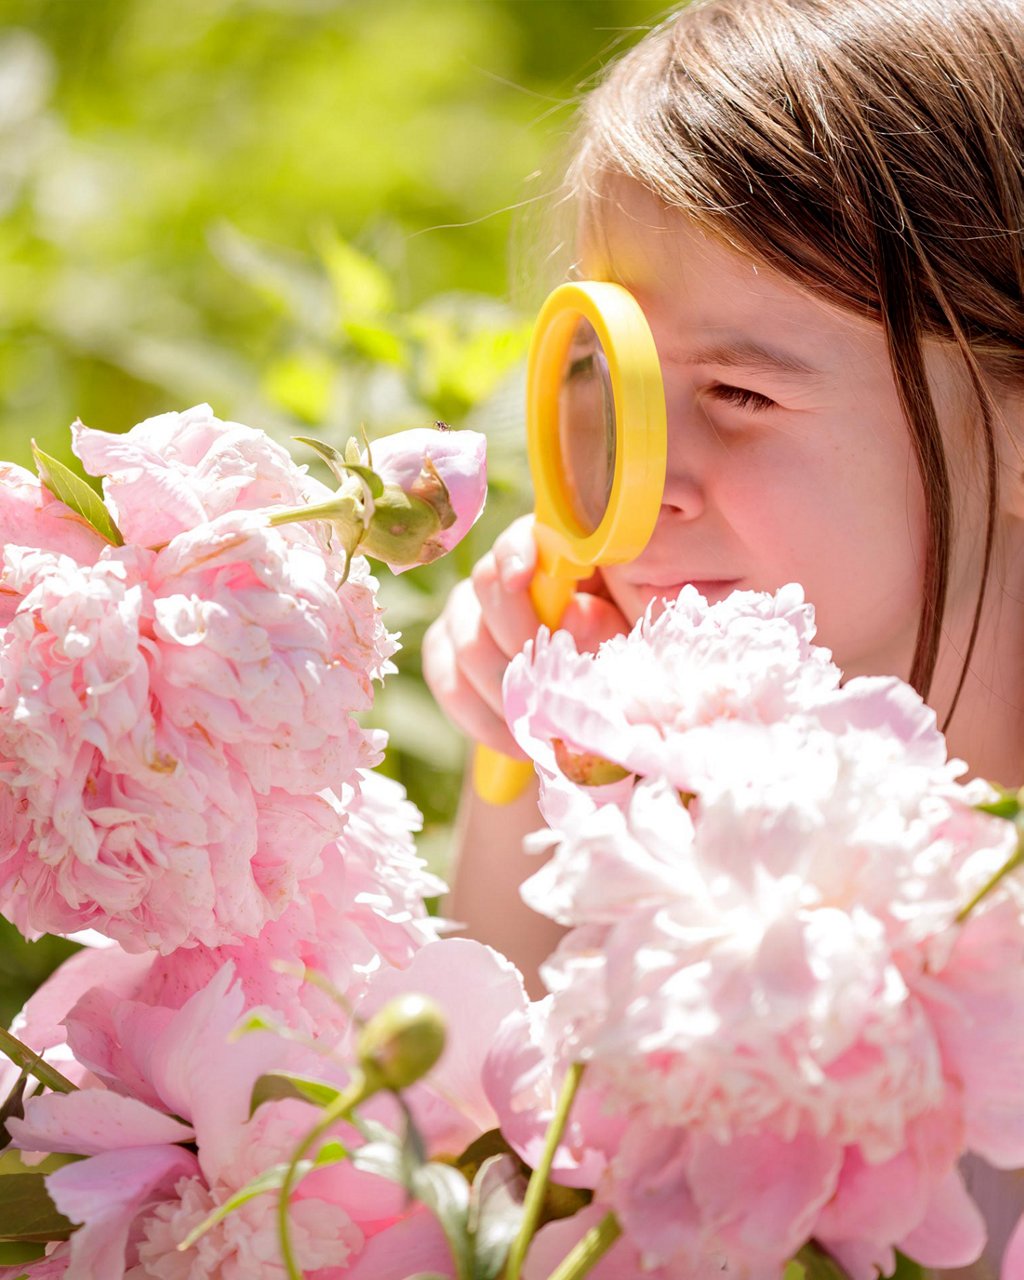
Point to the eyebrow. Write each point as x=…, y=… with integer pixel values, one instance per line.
x=747, y=354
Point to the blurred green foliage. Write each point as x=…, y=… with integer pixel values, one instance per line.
x=300, y=212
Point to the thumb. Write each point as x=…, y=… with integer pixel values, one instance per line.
x=591, y=620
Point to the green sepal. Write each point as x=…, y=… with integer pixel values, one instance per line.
x=75, y=493
x=275, y=1085
x=340, y=466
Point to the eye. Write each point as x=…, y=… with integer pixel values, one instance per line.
x=582, y=366
x=741, y=397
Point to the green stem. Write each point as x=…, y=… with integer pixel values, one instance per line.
x=31, y=1062
x=588, y=1251
x=538, y=1185
x=341, y=1108
x=1015, y=860
x=341, y=510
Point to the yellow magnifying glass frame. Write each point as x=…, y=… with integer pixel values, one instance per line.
x=566, y=551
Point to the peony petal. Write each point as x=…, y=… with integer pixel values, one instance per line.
x=105, y=1194
x=89, y=1121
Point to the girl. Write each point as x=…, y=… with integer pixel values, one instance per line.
x=819, y=204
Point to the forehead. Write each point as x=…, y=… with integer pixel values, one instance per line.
x=696, y=283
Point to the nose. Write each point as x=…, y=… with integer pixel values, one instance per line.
x=686, y=466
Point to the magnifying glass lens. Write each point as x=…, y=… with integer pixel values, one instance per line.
x=586, y=425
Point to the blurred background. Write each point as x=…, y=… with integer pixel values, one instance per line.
x=315, y=215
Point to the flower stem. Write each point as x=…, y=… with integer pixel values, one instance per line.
x=1015, y=860
x=538, y=1185
x=588, y=1251
x=30, y=1061
x=340, y=1109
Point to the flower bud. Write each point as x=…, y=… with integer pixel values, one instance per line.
x=447, y=472
x=402, y=1041
x=585, y=768
x=403, y=530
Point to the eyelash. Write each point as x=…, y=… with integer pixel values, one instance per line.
x=740, y=396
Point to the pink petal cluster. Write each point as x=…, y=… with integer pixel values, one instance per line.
x=140, y=1191
x=172, y=718
x=159, y=1077
x=763, y=971
x=359, y=916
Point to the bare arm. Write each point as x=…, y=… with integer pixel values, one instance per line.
x=485, y=623
x=489, y=867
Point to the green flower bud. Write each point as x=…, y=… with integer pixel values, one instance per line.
x=403, y=529
x=402, y=1041
x=586, y=768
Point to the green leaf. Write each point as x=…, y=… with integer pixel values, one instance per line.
x=12, y=1162
x=362, y=289
x=907, y=1268
x=27, y=1214
x=13, y=1252
x=275, y=1085
x=75, y=493
x=495, y=1212
x=377, y=342
x=816, y=1264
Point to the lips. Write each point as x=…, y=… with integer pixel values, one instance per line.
x=711, y=589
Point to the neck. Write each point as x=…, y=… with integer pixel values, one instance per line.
x=987, y=726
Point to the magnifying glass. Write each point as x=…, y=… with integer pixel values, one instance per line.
x=595, y=414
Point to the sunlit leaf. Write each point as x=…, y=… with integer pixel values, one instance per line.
x=275, y=1085
x=301, y=383
x=376, y=342
x=362, y=288
x=75, y=493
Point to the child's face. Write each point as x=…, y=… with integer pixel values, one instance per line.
x=779, y=474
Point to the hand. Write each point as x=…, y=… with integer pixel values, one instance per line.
x=485, y=623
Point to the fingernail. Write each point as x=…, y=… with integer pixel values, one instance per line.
x=512, y=569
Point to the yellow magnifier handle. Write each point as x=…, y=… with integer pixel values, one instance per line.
x=498, y=778
x=592, y=349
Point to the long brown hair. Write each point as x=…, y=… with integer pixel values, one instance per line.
x=869, y=150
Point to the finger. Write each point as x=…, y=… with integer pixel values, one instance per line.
x=509, y=614
x=515, y=554
x=591, y=620
x=460, y=700
x=477, y=656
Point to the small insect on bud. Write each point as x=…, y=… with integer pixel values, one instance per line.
x=402, y=1041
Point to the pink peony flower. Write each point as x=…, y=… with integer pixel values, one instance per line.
x=138, y=1192
x=174, y=472
x=763, y=973
x=359, y=916
x=166, y=717
x=156, y=1077
x=31, y=516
